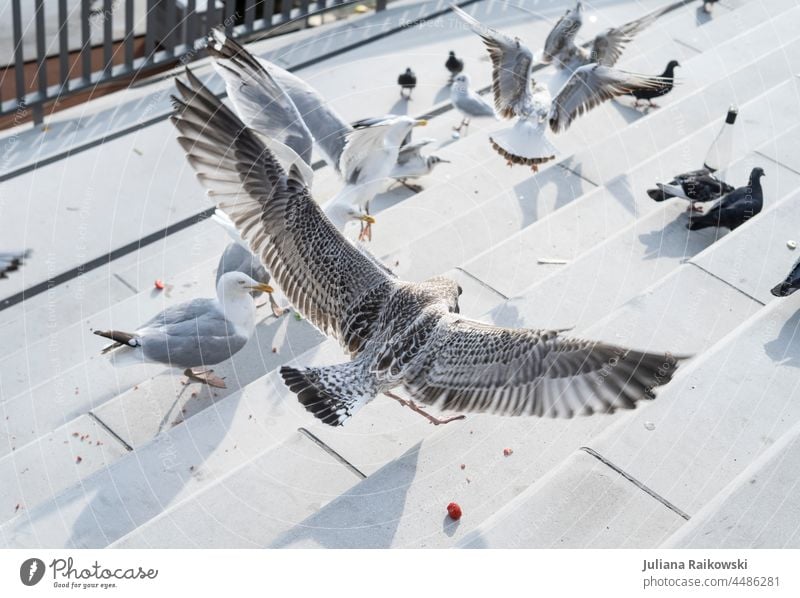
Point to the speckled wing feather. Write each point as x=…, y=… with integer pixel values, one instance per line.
x=562, y=36
x=511, y=68
x=471, y=366
x=590, y=86
x=327, y=278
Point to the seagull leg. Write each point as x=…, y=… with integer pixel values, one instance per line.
x=534, y=168
x=204, y=377
x=277, y=310
x=416, y=408
x=411, y=186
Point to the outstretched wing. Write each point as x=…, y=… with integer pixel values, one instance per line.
x=470, y=366
x=591, y=85
x=327, y=278
x=562, y=36
x=261, y=103
x=411, y=149
x=511, y=67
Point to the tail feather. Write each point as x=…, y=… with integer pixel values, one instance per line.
x=332, y=393
x=120, y=339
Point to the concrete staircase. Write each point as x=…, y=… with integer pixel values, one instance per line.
x=95, y=456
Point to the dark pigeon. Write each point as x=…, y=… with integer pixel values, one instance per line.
x=407, y=82
x=648, y=93
x=735, y=208
x=696, y=186
x=453, y=65
x=791, y=284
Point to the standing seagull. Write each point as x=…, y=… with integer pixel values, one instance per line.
x=198, y=333
x=735, y=208
x=468, y=103
x=11, y=261
x=407, y=82
x=512, y=82
x=399, y=334
x=454, y=66
x=664, y=86
x=791, y=284
x=284, y=108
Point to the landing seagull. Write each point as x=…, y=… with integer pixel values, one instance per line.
x=512, y=82
x=399, y=334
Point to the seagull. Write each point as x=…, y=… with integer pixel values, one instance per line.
x=606, y=47
x=665, y=85
x=735, y=208
x=453, y=65
x=11, y=261
x=515, y=96
x=285, y=109
x=468, y=103
x=407, y=82
x=398, y=333
x=791, y=284
x=412, y=164
x=696, y=186
x=194, y=334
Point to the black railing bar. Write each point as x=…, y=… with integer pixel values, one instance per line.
x=230, y=16
x=149, y=29
x=249, y=14
x=86, y=41
x=63, y=46
x=108, y=35
x=19, y=60
x=191, y=26
x=129, y=33
x=41, y=50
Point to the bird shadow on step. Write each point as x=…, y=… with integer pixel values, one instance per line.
x=628, y=111
x=785, y=348
x=386, y=199
x=675, y=240
x=366, y=516
x=535, y=195
x=442, y=94
x=702, y=17
x=399, y=107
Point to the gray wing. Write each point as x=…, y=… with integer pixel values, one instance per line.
x=182, y=313
x=562, y=37
x=411, y=150
x=238, y=258
x=473, y=104
x=590, y=86
x=261, y=103
x=511, y=68
x=12, y=260
x=608, y=45
x=470, y=366
x=326, y=277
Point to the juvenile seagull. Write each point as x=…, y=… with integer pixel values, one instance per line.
x=194, y=334
x=11, y=261
x=605, y=49
x=399, y=334
x=790, y=284
x=735, y=208
x=468, y=103
x=696, y=186
x=284, y=108
x=512, y=61
x=412, y=164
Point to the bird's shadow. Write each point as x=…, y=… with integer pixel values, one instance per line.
x=702, y=17
x=366, y=516
x=442, y=94
x=400, y=107
x=530, y=192
x=785, y=348
x=676, y=241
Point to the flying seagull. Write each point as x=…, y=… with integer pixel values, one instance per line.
x=11, y=261
x=399, y=334
x=468, y=103
x=607, y=46
x=735, y=208
x=194, y=334
x=411, y=163
x=790, y=284
x=284, y=108
x=512, y=84
x=696, y=186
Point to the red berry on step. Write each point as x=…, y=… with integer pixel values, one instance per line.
x=454, y=511
x=507, y=452
x=159, y=284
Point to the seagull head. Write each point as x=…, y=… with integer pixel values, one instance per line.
x=239, y=284
x=461, y=83
x=434, y=160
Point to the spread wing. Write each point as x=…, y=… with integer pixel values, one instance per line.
x=511, y=68
x=362, y=141
x=608, y=45
x=561, y=36
x=261, y=103
x=412, y=150
x=11, y=261
x=327, y=278
x=590, y=86
x=470, y=366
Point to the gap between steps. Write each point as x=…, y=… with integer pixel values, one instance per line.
x=486, y=286
x=321, y=444
x=722, y=280
x=636, y=482
x=116, y=436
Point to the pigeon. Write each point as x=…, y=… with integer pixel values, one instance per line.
x=453, y=65
x=791, y=284
x=468, y=103
x=667, y=81
x=735, y=208
x=407, y=82
x=696, y=186
x=11, y=261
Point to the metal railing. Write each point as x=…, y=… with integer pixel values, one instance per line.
x=122, y=39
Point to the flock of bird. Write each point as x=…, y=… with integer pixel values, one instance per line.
x=255, y=160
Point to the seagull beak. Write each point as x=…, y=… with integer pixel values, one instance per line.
x=421, y=122
x=263, y=287
x=367, y=218
x=443, y=161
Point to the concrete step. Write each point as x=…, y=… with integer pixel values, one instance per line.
x=757, y=509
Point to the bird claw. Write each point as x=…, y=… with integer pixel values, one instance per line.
x=436, y=421
x=204, y=377
x=366, y=232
